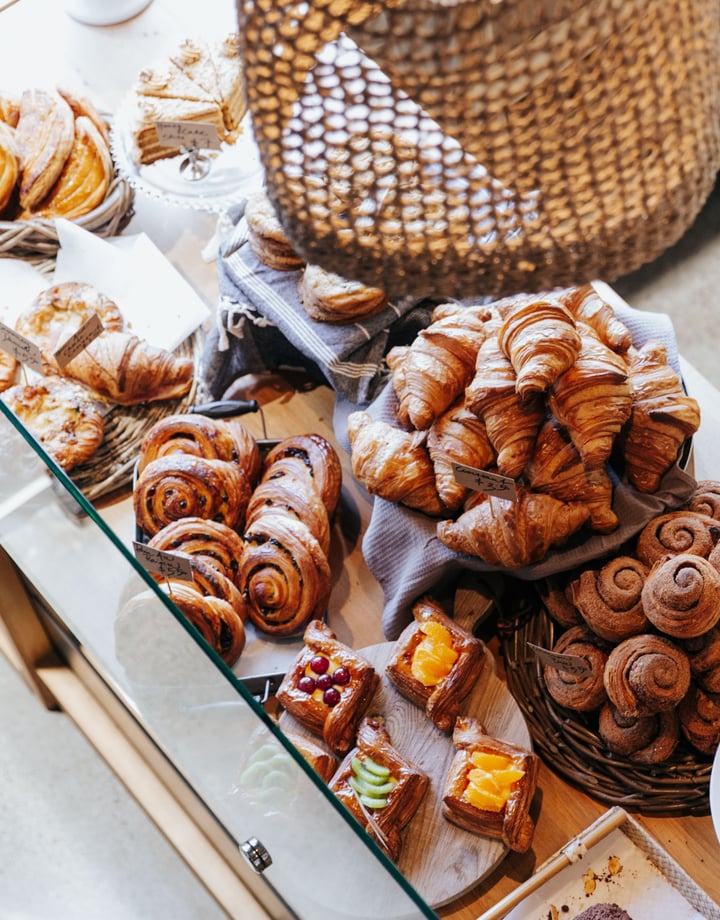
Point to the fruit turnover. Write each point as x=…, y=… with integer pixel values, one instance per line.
x=328, y=688
x=490, y=786
x=380, y=787
x=436, y=663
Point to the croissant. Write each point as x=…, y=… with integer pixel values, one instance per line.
x=513, y=534
x=9, y=166
x=283, y=574
x=438, y=366
x=190, y=434
x=587, y=306
x=541, y=341
x=182, y=485
x=45, y=132
x=213, y=542
x=393, y=464
x=610, y=599
x=457, y=436
x=512, y=425
x=581, y=692
x=699, y=716
x=375, y=775
x=124, y=369
x=642, y=739
x=662, y=418
x=706, y=498
x=676, y=532
x=557, y=469
x=317, y=457
x=593, y=399
x=214, y=618
x=681, y=596
x=646, y=674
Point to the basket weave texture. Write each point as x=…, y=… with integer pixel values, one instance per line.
x=463, y=147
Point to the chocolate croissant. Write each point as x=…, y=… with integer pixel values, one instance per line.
x=212, y=541
x=127, y=370
x=541, y=341
x=681, y=596
x=676, y=532
x=642, y=739
x=646, y=674
x=609, y=599
x=587, y=306
x=392, y=463
x=593, y=399
x=513, y=534
x=663, y=417
x=573, y=689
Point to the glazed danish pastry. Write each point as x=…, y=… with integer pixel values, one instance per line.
x=490, y=786
x=436, y=663
x=296, y=496
x=328, y=688
x=316, y=456
x=323, y=761
x=374, y=778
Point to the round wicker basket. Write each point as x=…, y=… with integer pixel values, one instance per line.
x=465, y=147
x=569, y=742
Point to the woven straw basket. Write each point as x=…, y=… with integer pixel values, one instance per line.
x=463, y=147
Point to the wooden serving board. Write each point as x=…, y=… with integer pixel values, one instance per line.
x=441, y=861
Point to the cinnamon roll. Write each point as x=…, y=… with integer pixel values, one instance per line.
x=706, y=498
x=673, y=533
x=700, y=720
x=211, y=541
x=646, y=674
x=213, y=617
x=318, y=457
x=681, y=596
x=583, y=693
x=610, y=599
x=642, y=739
x=555, y=593
x=704, y=654
x=284, y=575
x=182, y=485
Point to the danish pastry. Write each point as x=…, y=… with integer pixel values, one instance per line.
x=323, y=761
x=490, y=786
x=317, y=457
x=214, y=618
x=436, y=663
x=328, y=688
x=375, y=780
x=212, y=542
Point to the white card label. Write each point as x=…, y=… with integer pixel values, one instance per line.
x=194, y=135
x=569, y=664
x=79, y=340
x=161, y=562
x=483, y=481
x=22, y=349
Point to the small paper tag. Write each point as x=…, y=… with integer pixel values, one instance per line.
x=79, y=340
x=194, y=135
x=570, y=664
x=161, y=562
x=22, y=349
x=483, y=481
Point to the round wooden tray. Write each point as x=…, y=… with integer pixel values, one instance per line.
x=441, y=861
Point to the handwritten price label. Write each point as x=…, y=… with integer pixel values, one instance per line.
x=483, y=481
x=569, y=664
x=22, y=349
x=193, y=135
x=161, y=562
x=79, y=340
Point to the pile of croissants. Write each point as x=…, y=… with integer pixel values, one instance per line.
x=256, y=528
x=541, y=389
x=646, y=625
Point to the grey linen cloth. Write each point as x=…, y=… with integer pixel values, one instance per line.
x=262, y=326
x=401, y=548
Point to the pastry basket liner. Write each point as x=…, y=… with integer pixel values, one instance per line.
x=484, y=146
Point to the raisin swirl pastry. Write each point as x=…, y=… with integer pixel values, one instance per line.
x=214, y=618
x=211, y=541
x=706, y=498
x=314, y=455
x=581, y=692
x=334, y=713
x=294, y=495
x=642, y=739
x=700, y=720
x=681, y=596
x=673, y=533
x=211, y=582
x=610, y=599
x=646, y=674
x=182, y=485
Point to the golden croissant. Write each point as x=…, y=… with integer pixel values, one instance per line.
x=512, y=424
x=9, y=166
x=541, y=341
x=124, y=369
x=513, y=534
x=587, y=306
x=393, y=464
x=662, y=418
x=45, y=135
x=593, y=399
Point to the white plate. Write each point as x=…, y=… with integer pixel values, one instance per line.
x=715, y=793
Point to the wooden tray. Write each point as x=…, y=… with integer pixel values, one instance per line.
x=441, y=861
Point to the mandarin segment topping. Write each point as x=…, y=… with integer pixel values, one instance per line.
x=434, y=656
x=490, y=780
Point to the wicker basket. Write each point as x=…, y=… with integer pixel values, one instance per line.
x=569, y=741
x=464, y=147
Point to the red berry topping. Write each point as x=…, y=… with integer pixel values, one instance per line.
x=324, y=681
x=331, y=697
x=306, y=684
x=319, y=664
x=341, y=676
